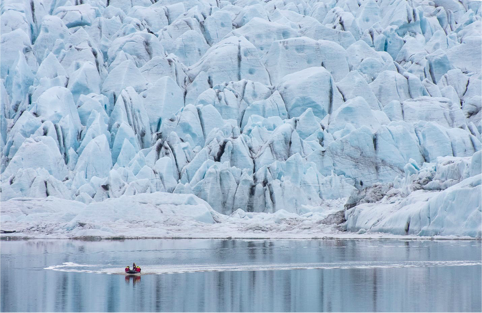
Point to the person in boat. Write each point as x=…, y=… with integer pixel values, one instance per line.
x=136, y=268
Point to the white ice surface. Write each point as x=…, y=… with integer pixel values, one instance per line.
x=163, y=215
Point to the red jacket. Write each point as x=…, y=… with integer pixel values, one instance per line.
x=138, y=269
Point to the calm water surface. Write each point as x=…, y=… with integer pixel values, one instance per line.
x=237, y=275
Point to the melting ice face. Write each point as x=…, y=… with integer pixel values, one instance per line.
x=267, y=106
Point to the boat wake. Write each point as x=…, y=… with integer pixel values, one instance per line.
x=195, y=268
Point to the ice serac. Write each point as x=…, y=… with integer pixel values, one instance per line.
x=84, y=80
x=162, y=101
x=3, y=118
x=40, y=152
x=78, y=15
x=313, y=88
x=96, y=159
x=471, y=47
x=19, y=82
x=232, y=59
x=12, y=43
x=123, y=132
x=217, y=26
x=210, y=119
x=130, y=109
x=389, y=86
x=190, y=47
x=262, y=33
x=357, y=112
x=122, y=76
x=159, y=67
x=296, y=54
x=139, y=47
x=189, y=127
x=56, y=103
x=270, y=107
x=12, y=20
x=353, y=85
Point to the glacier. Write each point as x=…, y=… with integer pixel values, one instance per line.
x=324, y=116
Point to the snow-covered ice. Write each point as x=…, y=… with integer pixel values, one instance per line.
x=275, y=118
x=161, y=215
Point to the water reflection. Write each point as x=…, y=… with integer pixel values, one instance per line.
x=134, y=279
x=27, y=286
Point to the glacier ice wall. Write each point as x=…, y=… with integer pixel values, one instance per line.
x=259, y=105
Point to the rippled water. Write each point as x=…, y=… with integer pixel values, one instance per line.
x=238, y=275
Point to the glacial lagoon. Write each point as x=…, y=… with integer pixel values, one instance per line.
x=241, y=275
